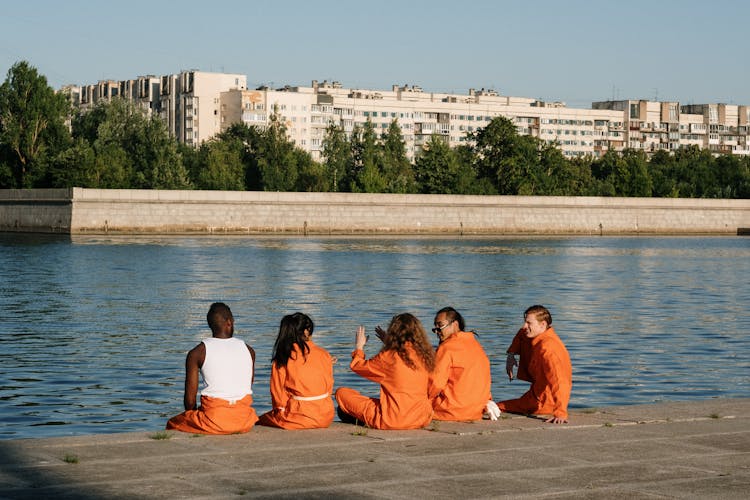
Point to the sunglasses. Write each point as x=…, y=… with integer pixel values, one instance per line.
x=439, y=329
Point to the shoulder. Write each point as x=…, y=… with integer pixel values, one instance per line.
x=197, y=355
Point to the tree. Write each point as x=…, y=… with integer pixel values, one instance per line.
x=220, y=166
x=503, y=157
x=336, y=156
x=437, y=167
x=364, y=174
x=396, y=168
x=32, y=124
x=276, y=159
x=140, y=146
x=312, y=176
x=250, y=139
x=638, y=181
x=662, y=167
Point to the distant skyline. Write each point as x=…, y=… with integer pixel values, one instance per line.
x=576, y=51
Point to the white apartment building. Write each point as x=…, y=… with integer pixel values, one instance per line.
x=197, y=105
x=188, y=101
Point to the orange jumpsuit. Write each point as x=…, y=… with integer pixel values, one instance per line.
x=460, y=385
x=403, y=402
x=301, y=391
x=521, y=345
x=551, y=375
x=216, y=416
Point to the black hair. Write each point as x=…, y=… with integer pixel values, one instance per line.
x=453, y=315
x=217, y=313
x=291, y=332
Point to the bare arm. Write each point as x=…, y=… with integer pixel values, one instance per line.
x=193, y=363
x=252, y=355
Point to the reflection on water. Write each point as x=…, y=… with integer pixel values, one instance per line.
x=94, y=329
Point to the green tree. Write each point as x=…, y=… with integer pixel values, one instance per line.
x=638, y=180
x=32, y=124
x=437, y=167
x=313, y=176
x=276, y=159
x=503, y=157
x=396, y=166
x=364, y=174
x=250, y=139
x=336, y=156
x=662, y=167
x=220, y=166
x=693, y=172
x=732, y=176
x=140, y=145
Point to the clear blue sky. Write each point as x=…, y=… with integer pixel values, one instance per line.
x=576, y=51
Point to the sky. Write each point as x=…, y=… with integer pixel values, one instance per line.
x=575, y=51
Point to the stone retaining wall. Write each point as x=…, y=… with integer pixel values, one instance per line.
x=80, y=210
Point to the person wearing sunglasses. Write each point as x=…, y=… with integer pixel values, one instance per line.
x=460, y=384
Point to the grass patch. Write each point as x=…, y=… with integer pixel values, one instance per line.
x=359, y=431
x=714, y=415
x=70, y=458
x=161, y=435
x=608, y=424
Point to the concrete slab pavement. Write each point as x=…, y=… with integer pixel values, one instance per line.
x=697, y=449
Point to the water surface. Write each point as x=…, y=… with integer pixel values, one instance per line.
x=94, y=329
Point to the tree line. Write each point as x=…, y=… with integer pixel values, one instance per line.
x=46, y=144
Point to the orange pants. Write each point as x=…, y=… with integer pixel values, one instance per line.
x=216, y=416
x=297, y=414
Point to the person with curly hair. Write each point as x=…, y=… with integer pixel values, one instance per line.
x=402, y=368
x=301, y=378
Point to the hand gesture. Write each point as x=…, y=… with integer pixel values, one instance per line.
x=510, y=362
x=380, y=333
x=360, y=339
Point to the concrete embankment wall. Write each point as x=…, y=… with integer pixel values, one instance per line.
x=80, y=210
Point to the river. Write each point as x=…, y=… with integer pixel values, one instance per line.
x=94, y=329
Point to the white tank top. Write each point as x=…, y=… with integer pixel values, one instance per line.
x=227, y=370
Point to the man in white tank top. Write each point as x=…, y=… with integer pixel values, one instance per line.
x=226, y=365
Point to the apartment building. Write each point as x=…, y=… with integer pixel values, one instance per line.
x=197, y=105
x=653, y=126
x=188, y=101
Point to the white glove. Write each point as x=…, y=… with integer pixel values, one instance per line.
x=492, y=410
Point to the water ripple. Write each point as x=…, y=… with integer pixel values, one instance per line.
x=94, y=329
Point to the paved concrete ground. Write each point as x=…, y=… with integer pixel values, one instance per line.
x=672, y=450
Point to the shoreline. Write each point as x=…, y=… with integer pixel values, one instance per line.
x=120, y=211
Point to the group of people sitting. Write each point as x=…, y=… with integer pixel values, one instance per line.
x=417, y=383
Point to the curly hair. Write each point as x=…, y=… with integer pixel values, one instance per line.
x=406, y=329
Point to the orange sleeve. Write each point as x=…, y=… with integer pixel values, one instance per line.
x=439, y=377
x=279, y=395
x=515, y=345
x=372, y=369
